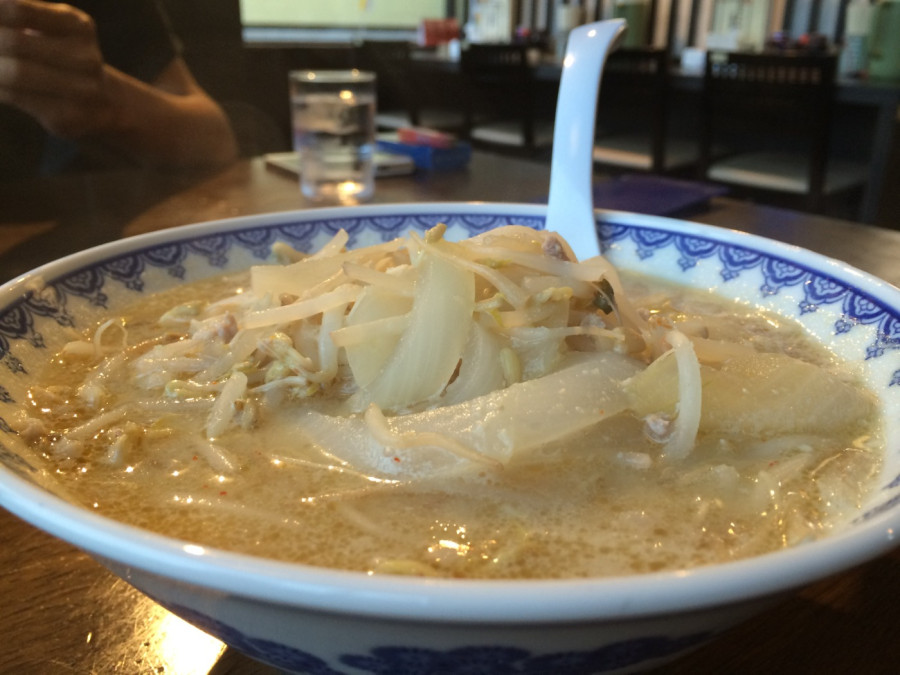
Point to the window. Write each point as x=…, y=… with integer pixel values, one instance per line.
x=355, y=14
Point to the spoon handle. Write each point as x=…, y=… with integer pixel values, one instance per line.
x=570, y=210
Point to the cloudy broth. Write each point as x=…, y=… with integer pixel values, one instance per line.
x=600, y=502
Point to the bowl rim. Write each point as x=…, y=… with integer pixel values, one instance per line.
x=135, y=551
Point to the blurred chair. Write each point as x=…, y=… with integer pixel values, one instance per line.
x=774, y=112
x=389, y=60
x=402, y=102
x=501, y=101
x=632, y=115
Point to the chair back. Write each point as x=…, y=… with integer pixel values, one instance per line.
x=500, y=84
x=492, y=63
x=773, y=98
x=633, y=94
x=390, y=61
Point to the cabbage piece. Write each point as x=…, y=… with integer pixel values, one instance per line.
x=775, y=393
x=762, y=394
x=501, y=426
x=427, y=353
x=388, y=437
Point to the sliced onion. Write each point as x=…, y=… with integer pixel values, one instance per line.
x=372, y=330
x=480, y=370
x=361, y=335
x=300, y=277
x=302, y=309
x=690, y=390
x=334, y=246
x=401, y=284
x=512, y=292
x=427, y=353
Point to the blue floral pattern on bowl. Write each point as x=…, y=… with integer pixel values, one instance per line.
x=404, y=660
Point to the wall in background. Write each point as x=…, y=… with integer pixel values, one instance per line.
x=341, y=13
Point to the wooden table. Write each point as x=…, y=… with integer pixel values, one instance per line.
x=61, y=612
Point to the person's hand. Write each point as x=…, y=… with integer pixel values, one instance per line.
x=51, y=67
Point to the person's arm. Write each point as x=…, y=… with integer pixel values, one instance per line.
x=51, y=67
x=170, y=123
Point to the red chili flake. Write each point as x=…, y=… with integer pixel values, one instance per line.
x=223, y=493
x=195, y=458
x=396, y=459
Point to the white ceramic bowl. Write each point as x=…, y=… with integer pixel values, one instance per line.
x=322, y=621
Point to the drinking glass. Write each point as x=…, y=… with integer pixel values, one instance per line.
x=333, y=117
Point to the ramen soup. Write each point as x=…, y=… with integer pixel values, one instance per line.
x=485, y=408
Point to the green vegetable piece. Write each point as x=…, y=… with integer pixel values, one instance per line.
x=604, y=298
